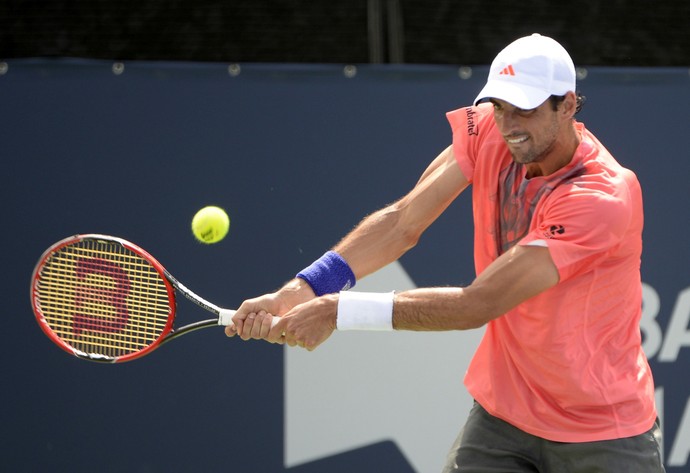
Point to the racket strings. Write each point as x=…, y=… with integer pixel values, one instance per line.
x=103, y=299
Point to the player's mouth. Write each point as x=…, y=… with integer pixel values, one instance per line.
x=516, y=140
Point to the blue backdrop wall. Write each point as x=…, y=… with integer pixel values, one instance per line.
x=297, y=155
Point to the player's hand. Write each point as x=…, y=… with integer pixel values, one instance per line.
x=254, y=315
x=307, y=325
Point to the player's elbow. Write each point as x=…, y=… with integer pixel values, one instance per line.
x=408, y=231
x=409, y=237
x=476, y=319
x=481, y=307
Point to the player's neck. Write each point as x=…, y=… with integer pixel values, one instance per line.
x=558, y=157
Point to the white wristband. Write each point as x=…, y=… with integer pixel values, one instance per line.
x=365, y=311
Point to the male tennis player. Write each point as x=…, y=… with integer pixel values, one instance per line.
x=560, y=380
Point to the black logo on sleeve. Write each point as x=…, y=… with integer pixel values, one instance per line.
x=554, y=231
x=472, y=125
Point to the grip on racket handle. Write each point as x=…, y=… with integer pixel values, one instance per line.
x=225, y=316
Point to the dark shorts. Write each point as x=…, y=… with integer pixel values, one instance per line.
x=489, y=445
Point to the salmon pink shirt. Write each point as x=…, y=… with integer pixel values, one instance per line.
x=566, y=365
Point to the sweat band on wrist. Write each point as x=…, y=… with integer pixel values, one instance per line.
x=365, y=311
x=328, y=274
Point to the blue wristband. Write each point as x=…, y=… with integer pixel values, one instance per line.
x=328, y=274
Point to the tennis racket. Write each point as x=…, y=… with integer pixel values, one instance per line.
x=102, y=298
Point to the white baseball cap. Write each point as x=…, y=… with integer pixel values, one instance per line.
x=528, y=71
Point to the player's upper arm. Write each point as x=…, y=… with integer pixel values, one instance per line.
x=586, y=227
x=517, y=275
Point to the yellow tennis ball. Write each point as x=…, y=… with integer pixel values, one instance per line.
x=210, y=224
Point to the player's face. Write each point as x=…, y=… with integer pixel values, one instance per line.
x=531, y=135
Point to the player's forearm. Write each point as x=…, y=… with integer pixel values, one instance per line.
x=439, y=309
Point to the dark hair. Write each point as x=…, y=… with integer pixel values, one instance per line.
x=557, y=99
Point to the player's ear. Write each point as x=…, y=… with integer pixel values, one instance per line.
x=568, y=107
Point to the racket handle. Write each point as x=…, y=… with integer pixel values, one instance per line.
x=225, y=316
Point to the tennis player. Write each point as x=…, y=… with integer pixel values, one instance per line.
x=560, y=380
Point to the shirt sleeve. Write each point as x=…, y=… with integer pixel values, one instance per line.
x=469, y=125
x=580, y=227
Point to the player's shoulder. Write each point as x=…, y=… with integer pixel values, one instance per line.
x=598, y=188
x=472, y=120
x=598, y=172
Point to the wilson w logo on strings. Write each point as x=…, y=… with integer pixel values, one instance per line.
x=104, y=285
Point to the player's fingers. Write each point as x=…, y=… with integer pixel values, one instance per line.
x=237, y=323
x=276, y=330
x=246, y=331
x=258, y=324
x=266, y=324
x=250, y=306
x=231, y=330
